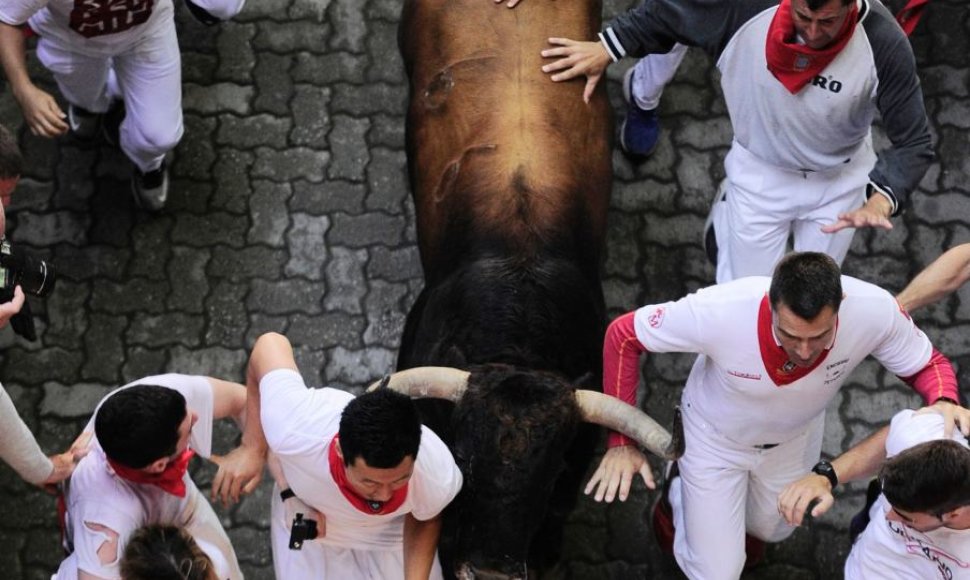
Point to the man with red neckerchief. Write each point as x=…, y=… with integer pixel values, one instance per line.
x=774, y=352
x=135, y=474
x=802, y=81
x=364, y=469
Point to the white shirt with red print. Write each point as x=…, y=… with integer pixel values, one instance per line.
x=743, y=383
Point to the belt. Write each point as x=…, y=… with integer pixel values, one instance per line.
x=766, y=446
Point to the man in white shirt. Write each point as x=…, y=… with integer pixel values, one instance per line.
x=364, y=469
x=919, y=526
x=136, y=471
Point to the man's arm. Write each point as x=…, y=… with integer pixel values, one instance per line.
x=41, y=112
x=420, y=543
x=943, y=276
x=862, y=461
x=621, y=375
x=241, y=469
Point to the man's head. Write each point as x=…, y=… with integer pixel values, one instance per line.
x=144, y=426
x=818, y=22
x=805, y=294
x=928, y=485
x=380, y=432
x=158, y=552
x=11, y=164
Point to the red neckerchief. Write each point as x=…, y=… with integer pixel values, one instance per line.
x=909, y=16
x=781, y=370
x=375, y=508
x=169, y=480
x=793, y=64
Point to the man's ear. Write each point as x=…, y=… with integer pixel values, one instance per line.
x=340, y=452
x=156, y=466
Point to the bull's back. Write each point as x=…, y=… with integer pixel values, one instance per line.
x=491, y=140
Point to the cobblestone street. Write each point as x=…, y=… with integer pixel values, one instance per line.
x=289, y=211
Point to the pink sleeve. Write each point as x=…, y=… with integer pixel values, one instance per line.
x=935, y=380
x=621, y=367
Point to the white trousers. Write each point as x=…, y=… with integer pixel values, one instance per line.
x=727, y=489
x=652, y=74
x=763, y=204
x=328, y=562
x=148, y=78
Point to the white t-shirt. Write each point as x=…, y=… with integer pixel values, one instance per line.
x=730, y=386
x=92, y=28
x=891, y=550
x=97, y=495
x=300, y=423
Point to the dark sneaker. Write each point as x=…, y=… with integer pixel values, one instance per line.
x=640, y=130
x=710, y=236
x=201, y=14
x=84, y=124
x=150, y=189
x=111, y=126
x=663, y=514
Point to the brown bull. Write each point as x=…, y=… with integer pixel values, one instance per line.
x=511, y=176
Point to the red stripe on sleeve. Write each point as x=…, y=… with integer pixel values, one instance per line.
x=936, y=380
x=621, y=367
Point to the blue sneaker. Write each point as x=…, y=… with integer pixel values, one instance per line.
x=640, y=130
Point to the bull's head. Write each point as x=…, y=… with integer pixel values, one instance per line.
x=512, y=429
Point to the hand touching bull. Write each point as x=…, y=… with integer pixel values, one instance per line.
x=616, y=472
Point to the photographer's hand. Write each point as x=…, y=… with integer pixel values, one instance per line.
x=12, y=307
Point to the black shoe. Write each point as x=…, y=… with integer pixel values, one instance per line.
x=710, y=236
x=150, y=189
x=111, y=124
x=640, y=130
x=201, y=14
x=84, y=124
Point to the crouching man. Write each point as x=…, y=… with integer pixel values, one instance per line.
x=364, y=470
x=136, y=471
x=919, y=526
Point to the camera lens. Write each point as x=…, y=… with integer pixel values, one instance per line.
x=36, y=277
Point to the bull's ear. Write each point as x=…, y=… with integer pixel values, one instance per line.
x=586, y=381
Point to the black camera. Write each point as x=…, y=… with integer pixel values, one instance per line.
x=34, y=276
x=301, y=531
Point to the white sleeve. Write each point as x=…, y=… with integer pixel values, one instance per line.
x=17, y=444
x=436, y=480
x=16, y=12
x=87, y=541
x=296, y=419
x=904, y=349
x=907, y=429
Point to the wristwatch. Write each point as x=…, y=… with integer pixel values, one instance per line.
x=825, y=469
x=287, y=494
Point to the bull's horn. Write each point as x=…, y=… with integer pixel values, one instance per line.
x=427, y=382
x=614, y=414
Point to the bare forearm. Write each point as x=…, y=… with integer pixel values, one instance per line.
x=18, y=447
x=13, y=56
x=420, y=544
x=864, y=459
x=945, y=275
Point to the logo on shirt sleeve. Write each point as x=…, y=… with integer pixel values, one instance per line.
x=656, y=318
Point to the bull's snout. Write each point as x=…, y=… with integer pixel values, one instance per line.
x=468, y=571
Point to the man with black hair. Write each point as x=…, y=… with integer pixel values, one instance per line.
x=136, y=473
x=773, y=354
x=919, y=526
x=364, y=470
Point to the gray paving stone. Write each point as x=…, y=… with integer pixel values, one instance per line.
x=315, y=10
x=153, y=331
x=215, y=361
x=366, y=229
x=67, y=319
x=364, y=100
x=286, y=37
x=103, y=347
x=393, y=264
x=269, y=214
x=137, y=294
x=41, y=229
x=142, y=362
x=324, y=69
x=231, y=174
x=273, y=85
x=350, y=29
x=196, y=156
x=360, y=367
x=387, y=181
x=225, y=315
x=311, y=120
x=328, y=196
x=287, y=296
x=72, y=401
x=54, y=364
x=186, y=275
x=387, y=131
x=326, y=330
x=386, y=310
x=294, y=163
x=346, y=282
x=236, y=56
x=211, y=229
x=220, y=98
x=252, y=262
x=307, y=245
x=252, y=131
x=150, y=250
x=348, y=148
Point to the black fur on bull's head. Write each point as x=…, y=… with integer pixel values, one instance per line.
x=512, y=430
